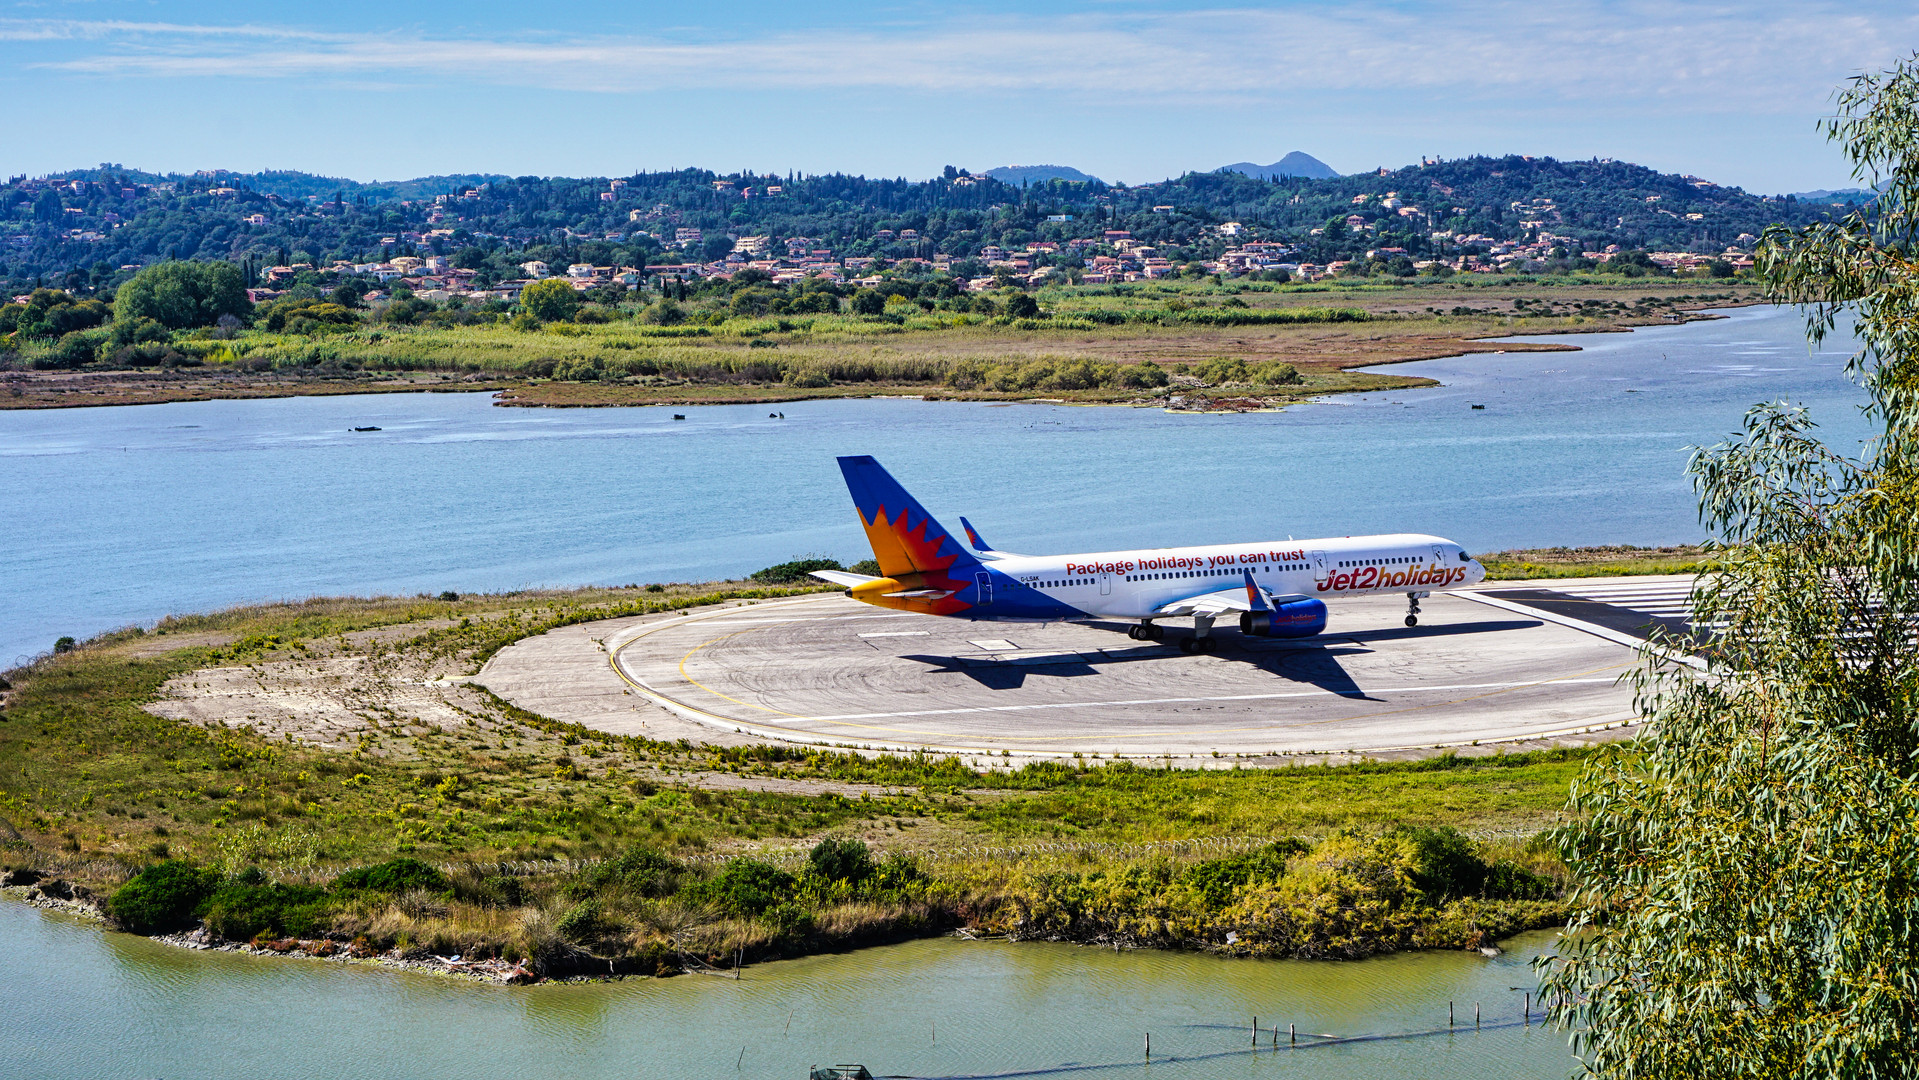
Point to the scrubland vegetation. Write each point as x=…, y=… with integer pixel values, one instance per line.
x=571, y=849
x=1196, y=341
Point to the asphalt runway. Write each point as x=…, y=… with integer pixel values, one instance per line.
x=827, y=670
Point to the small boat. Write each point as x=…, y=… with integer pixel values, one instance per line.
x=679, y=416
x=840, y=1072
x=1479, y=406
x=366, y=429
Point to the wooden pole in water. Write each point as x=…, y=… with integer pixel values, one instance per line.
x=1293, y=1030
x=1255, y=1032
x=1529, y=1007
x=1475, y=1016
x=1449, y=1014
x=1149, y=1046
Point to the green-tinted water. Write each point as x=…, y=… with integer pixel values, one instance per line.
x=76, y=1002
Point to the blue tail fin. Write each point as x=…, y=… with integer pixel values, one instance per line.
x=904, y=536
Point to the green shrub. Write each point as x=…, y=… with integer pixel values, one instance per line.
x=806, y=378
x=1504, y=881
x=898, y=876
x=1445, y=865
x=788, y=920
x=1276, y=375
x=243, y=909
x=840, y=860
x=162, y=898
x=743, y=887
x=1216, y=880
x=869, y=567
x=640, y=869
x=399, y=875
x=787, y=573
x=1222, y=370
x=582, y=922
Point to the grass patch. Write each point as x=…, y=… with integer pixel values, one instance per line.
x=1617, y=561
x=482, y=832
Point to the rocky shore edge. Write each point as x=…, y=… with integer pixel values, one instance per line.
x=491, y=970
x=50, y=893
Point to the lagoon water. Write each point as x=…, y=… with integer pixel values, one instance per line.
x=80, y=1004
x=122, y=515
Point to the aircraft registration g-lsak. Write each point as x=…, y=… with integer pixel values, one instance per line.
x=1277, y=589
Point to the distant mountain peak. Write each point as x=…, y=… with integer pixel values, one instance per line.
x=1039, y=174
x=1297, y=163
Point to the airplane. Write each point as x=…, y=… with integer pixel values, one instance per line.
x=1277, y=588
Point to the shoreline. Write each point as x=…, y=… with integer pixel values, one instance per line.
x=54, y=390
x=500, y=972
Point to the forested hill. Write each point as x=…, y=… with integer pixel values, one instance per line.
x=87, y=227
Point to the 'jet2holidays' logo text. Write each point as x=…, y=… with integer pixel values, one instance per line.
x=1371, y=577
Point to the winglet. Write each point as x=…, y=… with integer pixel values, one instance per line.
x=1254, y=596
x=972, y=536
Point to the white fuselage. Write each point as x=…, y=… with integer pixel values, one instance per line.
x=1138, y=584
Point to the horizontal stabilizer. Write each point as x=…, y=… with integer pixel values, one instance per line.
x=842, y=577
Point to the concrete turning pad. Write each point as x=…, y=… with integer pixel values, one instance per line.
x=830, y=671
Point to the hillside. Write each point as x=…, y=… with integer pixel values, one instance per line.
x=1297, y=163
x=89, y=228
x=1039, y=174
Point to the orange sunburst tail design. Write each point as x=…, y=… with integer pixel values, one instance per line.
x=908, y=543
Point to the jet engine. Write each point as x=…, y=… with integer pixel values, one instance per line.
x=1295, y=618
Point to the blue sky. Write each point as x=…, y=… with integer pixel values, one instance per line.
x=1129, y=90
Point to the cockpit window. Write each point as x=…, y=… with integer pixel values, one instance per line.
x=1463, y=557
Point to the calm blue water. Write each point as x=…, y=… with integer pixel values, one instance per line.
x=80, y=1004
x=122, y=515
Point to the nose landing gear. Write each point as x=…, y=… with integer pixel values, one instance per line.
x=1412, y=607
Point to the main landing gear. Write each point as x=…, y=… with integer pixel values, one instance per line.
x=1146, y=632
x=1202, y=639
x=1412, y=607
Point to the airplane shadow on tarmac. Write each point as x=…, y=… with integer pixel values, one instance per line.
x=1313, y=661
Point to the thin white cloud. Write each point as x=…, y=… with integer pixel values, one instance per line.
x=98, y=30
x=1749, y=58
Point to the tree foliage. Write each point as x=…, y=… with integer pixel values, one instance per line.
x=1747, y=875
x=552, y=300
x=181, y=295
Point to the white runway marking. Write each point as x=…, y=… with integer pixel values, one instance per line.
x=1177, y=700
x=897, y=633
x=1672, y=599
x=744, y=620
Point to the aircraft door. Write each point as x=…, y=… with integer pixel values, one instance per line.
x=1439, y=555
x=1106, y=584
x=983, y=584
x=1320, y=568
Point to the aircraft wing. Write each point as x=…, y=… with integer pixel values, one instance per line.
x=1246, y=597
x=842, y=577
